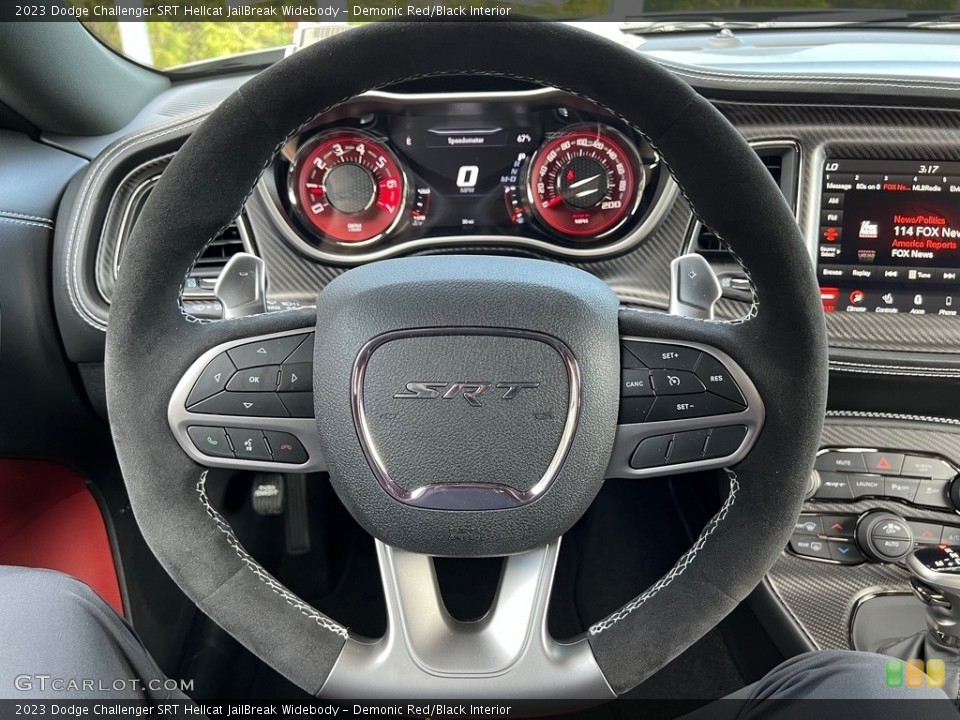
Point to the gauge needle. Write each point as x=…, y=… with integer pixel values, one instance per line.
x=555, y=200
x=578, y=183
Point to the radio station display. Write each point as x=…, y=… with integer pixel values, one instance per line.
x=889, y=237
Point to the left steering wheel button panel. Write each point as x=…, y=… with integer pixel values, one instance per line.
x=210, y=441
x=259, y=404
x=212, y=380
x=265, y=352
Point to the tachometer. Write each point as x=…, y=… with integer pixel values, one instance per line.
x=348, y=186
x=585, y=182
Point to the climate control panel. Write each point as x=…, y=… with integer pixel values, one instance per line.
x=849, y=475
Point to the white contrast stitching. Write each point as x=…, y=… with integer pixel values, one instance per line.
x=86, y=194
x=891, y=416
x=677, y=570
x=261, y=574
x=31, y=223
x=24, y=216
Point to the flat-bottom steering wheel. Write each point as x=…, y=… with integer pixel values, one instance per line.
x=426, y=478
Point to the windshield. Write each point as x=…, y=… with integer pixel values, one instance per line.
x=230, y=28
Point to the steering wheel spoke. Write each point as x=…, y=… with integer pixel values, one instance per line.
x=685, y=406
x=507, y=653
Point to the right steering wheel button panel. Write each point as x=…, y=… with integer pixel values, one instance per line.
x=684, y=382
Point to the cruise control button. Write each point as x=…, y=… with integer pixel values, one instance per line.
x=675, y=382
x=866, y=485
x=635, y=383
x=844, y=552
x=883, y=463
x=634, y=410
x=285, y=447
x=839, y=525
x=717, y=379
x=210, y=441
x=652, y=452
x=900, y=488
x=923, y=467
x=677, y=407
x=725, y=440
x=932, y=493
x=924, y=532
x=236, y=403
x=809, y=546
x=296, y=376
x=212, y=380
x=658, y=355
x=809, y=524
x=265, y=352
x=628, y=360
x=841, y=462
x=833, y=486
x=249, y=444
x=299, y=404
x=688, y=446
x=303, y=353
x=255, y=379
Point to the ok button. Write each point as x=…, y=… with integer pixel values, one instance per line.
x=255, y=379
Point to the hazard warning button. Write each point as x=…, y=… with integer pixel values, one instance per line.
x=883, y=463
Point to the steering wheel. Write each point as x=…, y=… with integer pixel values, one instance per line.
x=507, y=477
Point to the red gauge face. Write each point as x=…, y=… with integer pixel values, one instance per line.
x=584, y=183
x=349, y=187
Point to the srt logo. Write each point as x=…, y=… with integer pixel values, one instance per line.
x=470, y=391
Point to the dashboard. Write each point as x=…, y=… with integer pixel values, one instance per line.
x=392, y=172
x=870, y=165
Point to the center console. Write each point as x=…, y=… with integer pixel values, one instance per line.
x=883, y=487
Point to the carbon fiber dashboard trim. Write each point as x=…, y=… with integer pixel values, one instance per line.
x=822, y=596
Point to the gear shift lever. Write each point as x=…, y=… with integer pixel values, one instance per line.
x=936, y=581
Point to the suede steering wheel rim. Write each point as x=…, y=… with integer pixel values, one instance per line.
x=151, y=343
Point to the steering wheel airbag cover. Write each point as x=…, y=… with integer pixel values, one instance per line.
x=150, y=343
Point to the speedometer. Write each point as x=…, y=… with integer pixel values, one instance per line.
x=585, y=182
x=348, y=186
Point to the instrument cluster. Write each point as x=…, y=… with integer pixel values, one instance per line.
x=391, y=173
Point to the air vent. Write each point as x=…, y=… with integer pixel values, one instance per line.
x=215, y=256
x=782, y=160
x=203, y=275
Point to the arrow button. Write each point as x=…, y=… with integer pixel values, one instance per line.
x=296, y=377
x=242, y=403
x=212, y=380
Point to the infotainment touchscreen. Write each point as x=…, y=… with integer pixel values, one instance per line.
x=889, y=237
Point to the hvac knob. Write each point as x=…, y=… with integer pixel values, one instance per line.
x=884, y=537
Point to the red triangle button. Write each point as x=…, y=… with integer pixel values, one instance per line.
x=883, y=463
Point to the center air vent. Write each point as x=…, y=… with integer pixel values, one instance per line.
x=782, y=159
